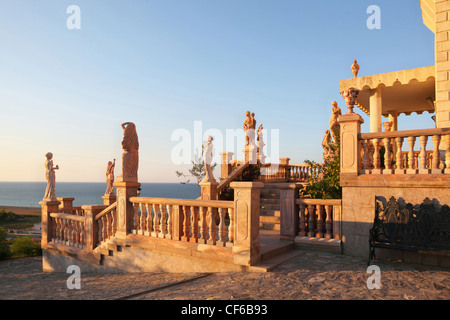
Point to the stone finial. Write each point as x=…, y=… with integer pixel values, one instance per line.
x=350, y=96
x=130, y=156
x=110, y=177
x=50, y=177
x=207, y=157
x=388, y=126
x=355, y=68
x=249, y=128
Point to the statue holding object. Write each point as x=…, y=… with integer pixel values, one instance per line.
x=110, y=177
x=207, y=157
x=50, y=177
x=130, y=156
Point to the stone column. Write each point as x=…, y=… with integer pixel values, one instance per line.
x=66, y=205
x=288, y=212
x=375, y=110
x=226, y=166
x=208, y=190
x=284, y=163
x=91, y=227
x=47, y=207
x=125, y=210
x=246, y=249
x=350, y=125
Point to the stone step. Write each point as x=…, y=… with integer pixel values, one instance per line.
x=269, y=219
x=269, y=226
x=333, y=245
x=270, y=206
x=270, y=191
x=269, y=201
x=269, y=196
x=272, y=262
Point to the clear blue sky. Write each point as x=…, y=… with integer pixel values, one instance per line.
x=164, y=64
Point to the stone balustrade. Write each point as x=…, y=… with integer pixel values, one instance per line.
x=319, y=218
x=384, y=153
x=106, y=223
x=199, y=221
x=67, y=229
x=302, y=172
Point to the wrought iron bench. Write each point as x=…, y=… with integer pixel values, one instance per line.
x=423, y=228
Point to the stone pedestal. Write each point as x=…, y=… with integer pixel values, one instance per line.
x=250, y=154
x=125, y=210
x=66, y=205
x=47, y=207
x=208, y=190
x=350, y=125
x=109, y=199
x=246, y=249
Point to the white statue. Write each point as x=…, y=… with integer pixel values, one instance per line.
x=50, y=177
x=110, y=177
x=261, y=144
x=207, y=157
x=249, y=128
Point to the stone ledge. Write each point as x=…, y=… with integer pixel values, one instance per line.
x=397, y=180
x=318, y=243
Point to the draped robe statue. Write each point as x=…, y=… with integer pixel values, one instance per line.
x=50, y=177
x=130, y=156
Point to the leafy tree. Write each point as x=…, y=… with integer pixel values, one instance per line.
x=197, y=171
x=4, y=247
x=25, y=246
x=326, y=185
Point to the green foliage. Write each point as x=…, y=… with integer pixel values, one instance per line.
x=325, y=185
x=4, y=247
x=24, y=246
x=9, y=216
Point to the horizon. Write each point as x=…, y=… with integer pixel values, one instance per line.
x=166, y=66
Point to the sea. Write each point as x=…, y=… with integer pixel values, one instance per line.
x=28, y=194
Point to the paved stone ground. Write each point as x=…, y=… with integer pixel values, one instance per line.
x=311, y=275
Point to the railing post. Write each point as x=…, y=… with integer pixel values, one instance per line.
x=208, y=190
x=288, y=212
x=91, y=226
x=226, y=167
x=125, y=210
x=47, y=207
x=350, y=127
x=447, y=154
x=66, y=205
x=246, y=249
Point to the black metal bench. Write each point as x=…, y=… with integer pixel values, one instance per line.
x=423, y=228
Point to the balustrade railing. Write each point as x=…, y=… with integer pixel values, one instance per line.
x=106, y=223
x=68, y=229
x=319, y=218
x=199, y=221
x=383, y=153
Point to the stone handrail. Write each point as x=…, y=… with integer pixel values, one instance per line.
x=302, y=172
x=395, y=162
x=199, y=221
x=232, y=176
x=274, y=172
x=67, y=229
x=320, y=218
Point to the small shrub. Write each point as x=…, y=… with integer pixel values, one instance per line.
x=24, y=246
x=4, y=247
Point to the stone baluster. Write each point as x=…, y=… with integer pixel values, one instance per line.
x=302, y=224
x=212, y=226
x=156, y=220
x=436, y=155
x=412, y=168
x=328, y=222
x=337, y=220
x=186, y=223
x=365, y=168
x=194, y=223
x=231, y=227
x=222, y=231
x=203, y=211
x=163, y=222
x=149, y=227
x=423, y=155
x=447, y=154
x=169, y=222
x=399, y=156
x=81, y=231
x=319, y=233
x=387, y=156
x=311, y=213
x=135, y=226
x=142, y=220
x=376, y=157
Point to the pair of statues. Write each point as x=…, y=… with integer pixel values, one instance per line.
x=249, y=128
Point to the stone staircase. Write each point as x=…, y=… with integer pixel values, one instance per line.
x=270, y=208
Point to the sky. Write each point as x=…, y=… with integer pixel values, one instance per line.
x=189, y=66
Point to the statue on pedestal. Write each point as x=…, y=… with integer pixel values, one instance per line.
x=207, y=157
x=110, y=177
x=50, y=177
x=326, y=146
x=388, y=126
x=130, y=156
x=261, y=144
x=249, y=128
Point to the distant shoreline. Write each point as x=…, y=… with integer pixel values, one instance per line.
x=33, y=211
